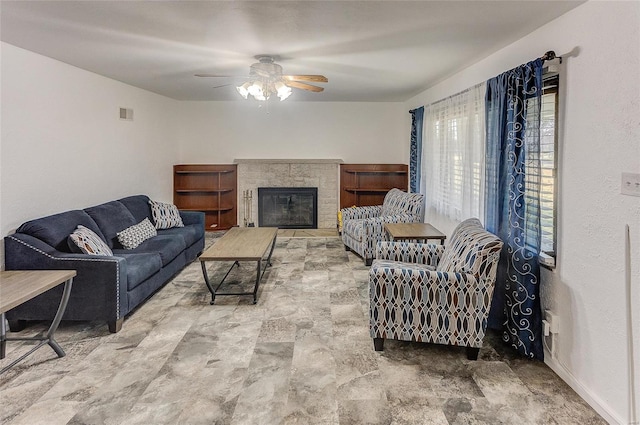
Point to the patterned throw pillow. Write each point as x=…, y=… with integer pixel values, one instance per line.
x=133, y=236
x=88, y=242
x=165, y=215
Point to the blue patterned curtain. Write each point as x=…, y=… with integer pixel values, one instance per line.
x=512, y=203
x=415, y=151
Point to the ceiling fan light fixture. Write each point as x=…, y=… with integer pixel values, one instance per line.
x=266, y=79
x=256, y=89
x=283, y=91
x=244, y=89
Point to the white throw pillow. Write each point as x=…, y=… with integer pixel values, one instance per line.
x=89, y=242
x=133, y=236
x=165, y=215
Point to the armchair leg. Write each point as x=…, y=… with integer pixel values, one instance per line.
x=378, y=344
x=368, y=261
x=472, y=353
x=346, y=248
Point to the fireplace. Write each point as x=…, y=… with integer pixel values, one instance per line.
x=288, y=207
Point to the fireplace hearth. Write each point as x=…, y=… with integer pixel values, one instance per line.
x=288, y=207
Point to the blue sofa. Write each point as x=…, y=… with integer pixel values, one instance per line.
x=106, y=287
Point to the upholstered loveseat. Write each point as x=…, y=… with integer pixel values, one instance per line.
x=432, y=293
x=107, y=287
x=363, y=227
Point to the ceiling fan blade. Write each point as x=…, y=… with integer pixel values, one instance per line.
x=312, y=78
x=222, y=85
x=219, y=76
x=304, y=86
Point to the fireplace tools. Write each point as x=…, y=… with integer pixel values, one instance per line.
x=247, y=197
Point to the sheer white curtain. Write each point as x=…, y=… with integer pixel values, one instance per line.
x=453, y=156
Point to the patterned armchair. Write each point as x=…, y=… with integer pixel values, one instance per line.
x=363, y=227
x=432, y=293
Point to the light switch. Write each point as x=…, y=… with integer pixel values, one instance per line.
x=630, y=184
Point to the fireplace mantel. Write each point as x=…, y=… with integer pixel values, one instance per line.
x=287, y=161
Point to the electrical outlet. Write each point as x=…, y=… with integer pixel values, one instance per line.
x=630, y=184
x=546, y=328
x=552, y=321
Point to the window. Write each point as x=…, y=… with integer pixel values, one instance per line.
x=453, y=155
x=548, y=164
x=453, y=168
x=546, y=180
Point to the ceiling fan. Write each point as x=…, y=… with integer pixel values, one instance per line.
x=266, y=78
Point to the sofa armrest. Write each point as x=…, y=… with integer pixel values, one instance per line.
x=355, y=213
x=406, y=276
x=192, y=217
x=374, y=227
x=99, y=289
x=410, y=252
x=378, y=222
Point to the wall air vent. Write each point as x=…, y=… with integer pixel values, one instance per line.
x=126, y=114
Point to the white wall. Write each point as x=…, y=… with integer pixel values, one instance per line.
x=219, y=132
x=600, y=138
x=64, y=146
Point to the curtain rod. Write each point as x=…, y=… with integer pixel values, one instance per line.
x=550, y=55
x=455, y=94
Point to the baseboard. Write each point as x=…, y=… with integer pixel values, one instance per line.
x=594, y=401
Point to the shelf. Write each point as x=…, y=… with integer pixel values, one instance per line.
x=203, y=171
x=205, y=210
x=208, y=190
x=368, y=184
x=374, y=172
x=368, y=189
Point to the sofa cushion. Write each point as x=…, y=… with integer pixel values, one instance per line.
x=140, y=266
x=165, y=216
x=190, y=233
x=133, y=236
x=111, y=218
x=55, y=229
x=138, y=205
x=86, y=241
x=167, y=246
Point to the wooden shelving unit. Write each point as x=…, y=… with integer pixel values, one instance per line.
x=367, y=184
x=210, y=188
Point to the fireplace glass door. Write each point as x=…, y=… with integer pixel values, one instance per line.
x=288, y=207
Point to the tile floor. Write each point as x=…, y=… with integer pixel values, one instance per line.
x=302, y=355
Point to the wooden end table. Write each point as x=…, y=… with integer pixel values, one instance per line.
x=240, y=244
x=410, y=231
x=19, y=286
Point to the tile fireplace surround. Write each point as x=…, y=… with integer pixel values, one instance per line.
x=320, y=173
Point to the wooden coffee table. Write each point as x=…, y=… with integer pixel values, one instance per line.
x=19, y=286
x=410, y=231
x=241, y=244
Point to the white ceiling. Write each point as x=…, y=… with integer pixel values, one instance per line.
x=370, y=50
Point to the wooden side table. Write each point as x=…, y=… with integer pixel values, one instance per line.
x=410, y=231
x=19, y=286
